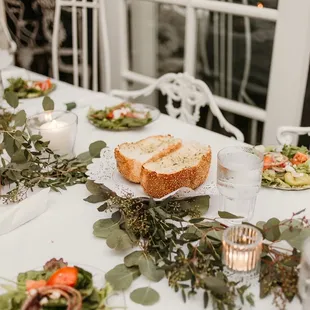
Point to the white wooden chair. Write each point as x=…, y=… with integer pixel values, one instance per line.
x=190, y=93
x=290, y=60
x=81, y=8
x=7, y=45
x=286, y=134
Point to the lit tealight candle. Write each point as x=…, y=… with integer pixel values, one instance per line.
x=59, y=135
x=242, y=247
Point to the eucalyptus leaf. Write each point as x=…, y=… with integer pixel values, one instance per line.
x=103, y=228
x=299, y=240
x=216, y=285
x=119, y=240
x=96, y=147
x=19, y=157
x=93, y=187
x=299, y=212
x=48, y=104
x=196, y=220
x=12, y=99
x=148, y=268
x=103, y=207
x=216, y=234
x=260, y=224
x=35, y=137
x=190, y=237
x=84, y=157
x=194, y=230
x=95, y=198
x=145, y=296
x=70, y=106
x=120, y=277
x=205, y=299
x=271, y=229
x=20, y=118
x=116, y=216
x=227, y=215
x=290, y=233
x=135, y=272
x=286, y=224
x=250, y=299
x=202, y=203
x=9, y=144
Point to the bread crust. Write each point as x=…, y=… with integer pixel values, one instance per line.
x=158, y=185
x=130, y=168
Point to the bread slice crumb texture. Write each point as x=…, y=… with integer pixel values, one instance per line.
x=146, y=149
x=187, y=156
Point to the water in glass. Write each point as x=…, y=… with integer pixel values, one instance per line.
x=239, y=174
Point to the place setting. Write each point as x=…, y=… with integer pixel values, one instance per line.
x=19, y=82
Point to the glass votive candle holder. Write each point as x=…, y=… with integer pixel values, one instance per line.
x=57, y=127
x=242, y=248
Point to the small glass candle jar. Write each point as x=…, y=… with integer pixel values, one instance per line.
x=242, y=247
x=57, y=127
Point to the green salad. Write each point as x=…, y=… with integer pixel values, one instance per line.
x=119, y=117
x=29, y=89
x=56, y=287
x=286, y=167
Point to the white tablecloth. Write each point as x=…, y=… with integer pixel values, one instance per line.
x=65, y=229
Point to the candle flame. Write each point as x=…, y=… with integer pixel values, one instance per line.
x=48, y=116
x=260, y=5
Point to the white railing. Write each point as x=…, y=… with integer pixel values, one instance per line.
x=81, y=68
x=285, y=77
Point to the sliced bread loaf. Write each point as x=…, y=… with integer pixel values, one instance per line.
x=131, y=156
x=186, y=167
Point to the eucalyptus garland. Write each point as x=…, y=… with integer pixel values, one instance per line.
x=175, y=241
x=27, y=161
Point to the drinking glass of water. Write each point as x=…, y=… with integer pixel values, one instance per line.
x=239, y=175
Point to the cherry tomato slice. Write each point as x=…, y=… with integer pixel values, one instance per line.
x=268, y=161
x=32, y=284
x=110, y=115
x=299, y=158
x=64, y=276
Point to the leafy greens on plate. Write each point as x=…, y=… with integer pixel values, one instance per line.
x=286, y=167
x=120, y=117
x=56, y=287
x=29, y=89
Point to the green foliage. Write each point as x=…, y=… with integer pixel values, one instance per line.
x=32, y=163
x=70, y=106
x=178, y=242
x=12, y=99
x=120, y=277
x=145, y=296
x=48, y=104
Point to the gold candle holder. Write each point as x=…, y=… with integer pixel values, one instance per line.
x=242, y=247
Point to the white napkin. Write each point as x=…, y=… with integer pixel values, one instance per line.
x=13, y=73
x=15, y=215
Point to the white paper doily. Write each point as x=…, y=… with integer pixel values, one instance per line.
x=103, y=170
